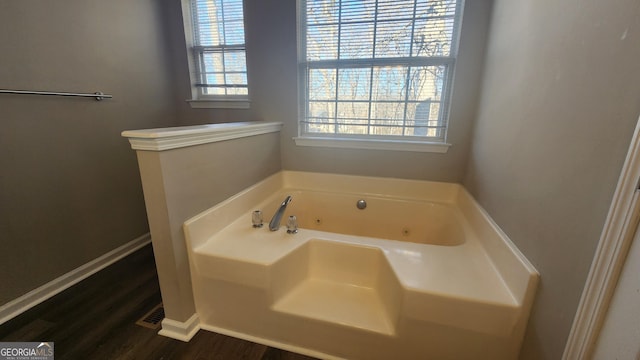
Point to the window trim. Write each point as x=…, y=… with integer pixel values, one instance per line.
x=373, y=144
x=198, y=100
x=400, y=143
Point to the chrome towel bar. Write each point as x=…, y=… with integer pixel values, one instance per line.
x=97, y=95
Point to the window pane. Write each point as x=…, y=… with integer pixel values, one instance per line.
x=323, y=12
x=212, y=61
x=235, y=79
x=214, y=78
x=321, y=117
x=232, y=9
x=322, y=111
x=235, y=61
x=353, y=110
x=234, y=32
x=322, y=42
x=394, y=9
x=393, y=39
x=358, y=10
x=213, y=91
x=389, y=83
x=356, y=40
x=386, y=130
x=423, y=118
x=354, y=84
x=434, y=27
x=353, y=128
x=426, y=82
x=433, y=37
x=389, y=113
x=210, y=18
x=435, y=8
x=322, y=84
x=237, y=91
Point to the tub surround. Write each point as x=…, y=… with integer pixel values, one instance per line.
x=322, y=293
x=184, y=171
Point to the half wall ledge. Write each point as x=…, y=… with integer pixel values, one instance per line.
x=161, y=139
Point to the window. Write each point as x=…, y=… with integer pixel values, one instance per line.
x=215, y=37
x=376, y=69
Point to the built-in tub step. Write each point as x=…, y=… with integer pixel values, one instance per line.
x=350, y=285
x=345, y=304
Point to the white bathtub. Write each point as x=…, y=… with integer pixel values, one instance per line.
x=421, y=273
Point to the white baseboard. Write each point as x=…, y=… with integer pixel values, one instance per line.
x=178, y=330
x=25, y=302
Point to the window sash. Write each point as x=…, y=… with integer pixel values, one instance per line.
x=431, y=128
x=365, y=125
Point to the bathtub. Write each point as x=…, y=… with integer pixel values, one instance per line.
x=421, y=273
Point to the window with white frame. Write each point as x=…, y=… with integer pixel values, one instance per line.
x=218, y=54
x=377, y=69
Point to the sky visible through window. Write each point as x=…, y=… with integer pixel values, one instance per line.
x=377, y=67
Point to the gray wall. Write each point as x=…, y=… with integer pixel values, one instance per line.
x=272, y=67
x=69, y=184
x=560, y=99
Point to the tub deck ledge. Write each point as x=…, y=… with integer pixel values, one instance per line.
x=437, y=281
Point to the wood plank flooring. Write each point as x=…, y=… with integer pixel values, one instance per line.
x=95, y=319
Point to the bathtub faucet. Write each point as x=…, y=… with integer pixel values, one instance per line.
x=274, y=224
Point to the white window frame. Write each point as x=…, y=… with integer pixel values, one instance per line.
x=198, y=99
x=401, y=143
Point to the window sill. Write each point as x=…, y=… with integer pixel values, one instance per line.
x=394, y=145
x=218, y=104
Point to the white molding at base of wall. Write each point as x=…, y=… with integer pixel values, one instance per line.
x=609, y=258
x=179, y=330
x=25, y=302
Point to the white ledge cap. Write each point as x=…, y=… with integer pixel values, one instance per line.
x=161, y=139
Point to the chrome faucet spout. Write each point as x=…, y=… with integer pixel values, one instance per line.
x=274, y=224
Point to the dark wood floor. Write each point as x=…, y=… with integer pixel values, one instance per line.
x=95, y=319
